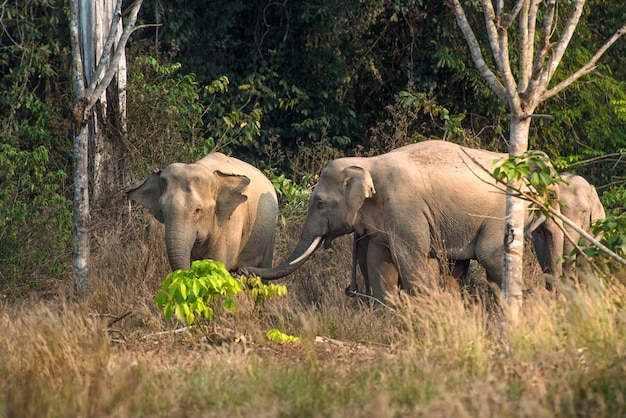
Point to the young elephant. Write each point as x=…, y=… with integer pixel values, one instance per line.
x=219, y=208
x=581, y=205
x=404, y=206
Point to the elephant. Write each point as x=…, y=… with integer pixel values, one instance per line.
x=403, y=207
x=219, y=208
x=581, y=204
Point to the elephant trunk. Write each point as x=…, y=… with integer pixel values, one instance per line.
x=179, y=247
x=298, y=257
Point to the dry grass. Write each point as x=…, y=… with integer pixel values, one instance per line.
x=441, y=354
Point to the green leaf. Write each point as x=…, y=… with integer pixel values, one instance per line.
x=160, y=299
x=278, y=336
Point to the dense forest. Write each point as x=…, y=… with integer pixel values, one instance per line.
x=286, y=86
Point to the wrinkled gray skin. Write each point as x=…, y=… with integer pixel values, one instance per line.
x=218, y=208
x=581, y=205
x=404, y=206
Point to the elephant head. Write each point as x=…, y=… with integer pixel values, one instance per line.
x=582, y=206
x=195, y=203
x=333, y=211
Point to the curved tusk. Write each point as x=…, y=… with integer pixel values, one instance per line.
x=308, y=252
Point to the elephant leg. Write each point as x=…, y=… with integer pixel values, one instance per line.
x=548, y=241
x=459, y=269
x=382, y=273
x=359, y=260
x=541, y=250
x=490, y=255
x=569, y=257
x=226, y=251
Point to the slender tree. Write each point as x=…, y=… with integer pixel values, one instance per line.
x=94, y=65
x=542, y=39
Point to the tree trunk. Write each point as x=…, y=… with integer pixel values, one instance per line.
x=91, y=76
x=539, y=56
x=512, y=274
x=81, y=212
x=110, y=115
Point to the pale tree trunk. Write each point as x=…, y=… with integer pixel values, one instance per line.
x=539, y=56
x=513, y=269
x=90, y=79
x=110, y=111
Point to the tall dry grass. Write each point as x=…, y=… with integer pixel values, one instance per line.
x=445, y=353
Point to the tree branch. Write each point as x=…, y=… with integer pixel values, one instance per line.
x=586, y=69
x=554, y=213
x=566, y=37
x=527, y=26
x=543, y=47
x=492, y=30
x=497, y=33
x=509, y=18
x=475, y=52
x=504, y=63
x=112, y=68
x=104, y=56
x=78, y=76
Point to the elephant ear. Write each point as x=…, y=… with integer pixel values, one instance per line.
x=148, y=193
x=597, y=210
x=229, y=194
x=358, y=186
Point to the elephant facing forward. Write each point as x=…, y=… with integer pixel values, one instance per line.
x=581, y=204
x=403, y=207
x=219, y=208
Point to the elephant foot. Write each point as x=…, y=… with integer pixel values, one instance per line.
x=351, y=292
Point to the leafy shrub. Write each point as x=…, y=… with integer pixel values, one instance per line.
x=173, y=117
x=535, y=170
x=198, y=294
x=195, y=292
x=293, y=197
x=35, y=218
x=259, y=291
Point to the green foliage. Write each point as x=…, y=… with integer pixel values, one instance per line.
x=533, y=167
x=280, y=337
x=229, y=122
x=173, y=117
x=620, y=109
x=535, y=170
x=194, y=293
x=614, y=200
x=35, y=218
x=452, y=124
x=613, y=230
x=200, y=292
x=164, y=111
x=293, y=197
x=259, y=291
x=34, y=63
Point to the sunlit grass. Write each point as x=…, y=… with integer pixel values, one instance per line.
x=445, y=353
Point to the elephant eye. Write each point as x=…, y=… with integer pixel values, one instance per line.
x=321, y=204
x=198, y=211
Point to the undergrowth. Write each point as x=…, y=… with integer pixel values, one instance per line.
x=444, y=353
x=448, y=352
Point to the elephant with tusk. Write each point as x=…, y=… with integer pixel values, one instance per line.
x=581, y=204
x=219, y=208
x=403, y=207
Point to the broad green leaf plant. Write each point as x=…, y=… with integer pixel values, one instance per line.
x=207, y=289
